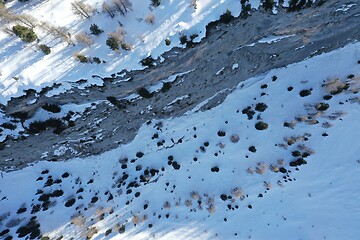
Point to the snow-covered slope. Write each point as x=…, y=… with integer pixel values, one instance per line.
x=213, y=174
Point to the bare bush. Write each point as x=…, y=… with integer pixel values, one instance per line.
x=78, y=220
x=26, y=19
x=195, y=195
x=334, y=86
x=82, y=9
x=57, y=32
x=188, y=203
x=193, y=4
x=267, y=185
x=84, y=39
x=211, y=209
x=167, y=205
x=122, y=6
x=7, y=15
x=90, y=232
x=274, y=168
x=150, y=19
x=116, y=39
x=108, y=10
x=238, y=193
x=135, y=219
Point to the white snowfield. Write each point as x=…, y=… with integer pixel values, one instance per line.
x=215, y=176
x=24, y=66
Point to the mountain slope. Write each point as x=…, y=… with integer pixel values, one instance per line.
x=214, y=174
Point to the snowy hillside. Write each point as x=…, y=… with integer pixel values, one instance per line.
x=278, y=159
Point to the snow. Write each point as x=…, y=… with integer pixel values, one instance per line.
x=273, y=39
x=235, y=66
x=318, y=201
x=345, y=8
x=220, y=71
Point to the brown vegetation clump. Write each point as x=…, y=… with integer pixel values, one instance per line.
x=195, y=195
x=167, y=205
x=78, y=220
x=188, y=203
x=150, y=19
x=238, y=193
x=334, y=86
x=234, y=138
x=135, y=219
x=211, y=209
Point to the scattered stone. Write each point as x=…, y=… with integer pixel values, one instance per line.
x=221, y=133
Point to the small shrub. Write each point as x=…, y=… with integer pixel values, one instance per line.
x=215, y=169
x=45, y=49
x=150, y=19
x=54, y=108
x=112, y=99
x=155, y=3
x=193, y=36
x=296, y=153
x=95, y=30
x=327, y=97
x=38, y=126
x=226, y=17
x=21, y=115
x=183, y=39
x=122, y=229
x=9, y=126
x=108, y=232
x=305, y=93
x=221, y=133
x=261, y=107
x=245, y=8
x=252, y=149
x=82, y=58
x=143, y=92
x=96, y=60
x=24, y=33
x=70, y=202
x=261, y=125
x=112, y=42
x=335, y=86
x=193, y=4
x=322, y=106
x=166, y=87
x=234, y=138
x=149, y=61
x=298, y=162
x=84, y=38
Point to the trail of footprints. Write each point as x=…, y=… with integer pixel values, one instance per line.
x=92, y=205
